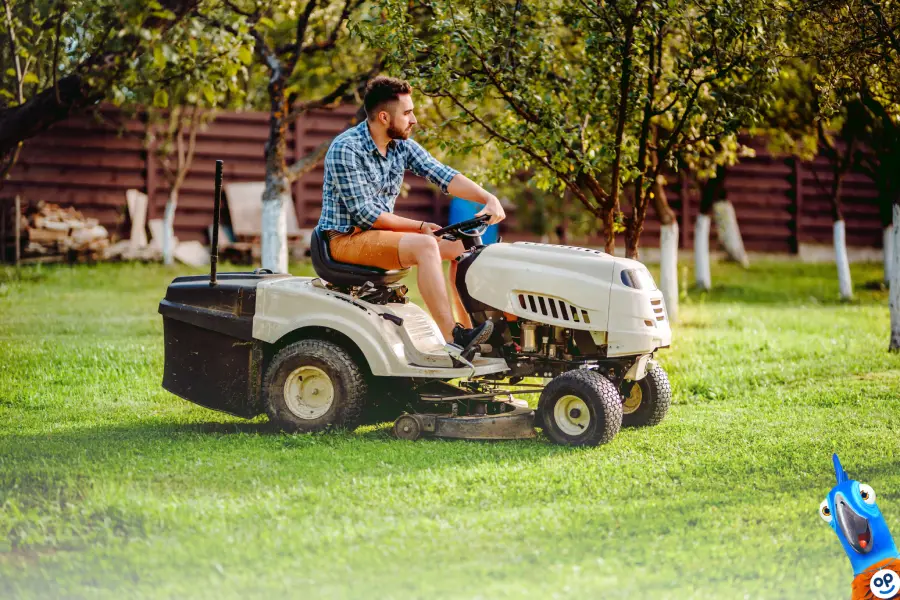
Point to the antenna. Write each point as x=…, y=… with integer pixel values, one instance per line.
x=214, y=251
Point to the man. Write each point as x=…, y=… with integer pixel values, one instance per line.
x=364, y=171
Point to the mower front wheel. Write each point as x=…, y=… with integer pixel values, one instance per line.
x=646, y=401
x=314, y=385
x=581, y=408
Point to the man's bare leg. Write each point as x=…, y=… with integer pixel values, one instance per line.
x=449, y=251
x=423, y=251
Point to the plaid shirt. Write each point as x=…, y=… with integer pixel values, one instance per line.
x=360, y=183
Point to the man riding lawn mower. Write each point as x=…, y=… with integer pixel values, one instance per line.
x=316, y=353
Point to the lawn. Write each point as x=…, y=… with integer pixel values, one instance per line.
x=111, y=487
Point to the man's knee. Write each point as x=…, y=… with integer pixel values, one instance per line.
x=420, y=247
x=450, y=250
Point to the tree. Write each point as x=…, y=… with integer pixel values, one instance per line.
x=309, y=64
x=858, y=46
x=181, y=88
x=591, y=96
x=62, y=56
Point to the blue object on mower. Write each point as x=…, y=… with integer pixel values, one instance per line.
x=463, y=210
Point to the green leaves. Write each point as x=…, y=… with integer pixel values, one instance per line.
x=161, y=98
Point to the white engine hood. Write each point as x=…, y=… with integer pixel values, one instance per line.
x=578, y=277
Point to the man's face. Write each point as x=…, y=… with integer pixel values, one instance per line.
x=402, y=118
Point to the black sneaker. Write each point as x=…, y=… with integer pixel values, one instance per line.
x=469, y=339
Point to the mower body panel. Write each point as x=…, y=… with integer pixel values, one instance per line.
x=413, y=347
x=573, y=288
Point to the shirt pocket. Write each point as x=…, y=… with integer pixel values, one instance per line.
x=394, y=179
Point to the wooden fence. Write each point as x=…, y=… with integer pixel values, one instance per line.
x=89, y=161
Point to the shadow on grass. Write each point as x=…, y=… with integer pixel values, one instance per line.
x=368, y=445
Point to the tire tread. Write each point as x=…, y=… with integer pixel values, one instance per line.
x=583, y=381
x=348, y=414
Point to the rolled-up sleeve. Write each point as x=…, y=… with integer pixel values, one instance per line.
x=353, y=189
x=420, y=162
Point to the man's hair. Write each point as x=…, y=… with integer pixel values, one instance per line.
x=382, y=90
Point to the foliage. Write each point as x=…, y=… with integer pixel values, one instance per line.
x=60, y=57
x=590, y=96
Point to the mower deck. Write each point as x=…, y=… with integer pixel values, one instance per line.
x=515, y=423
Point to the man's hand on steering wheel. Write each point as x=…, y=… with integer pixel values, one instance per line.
x=428, y=228
x=493, y=208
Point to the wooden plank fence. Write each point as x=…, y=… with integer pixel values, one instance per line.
x=90, y=160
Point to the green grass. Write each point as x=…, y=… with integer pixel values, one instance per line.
x=112, y=488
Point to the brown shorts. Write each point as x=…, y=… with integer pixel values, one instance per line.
x=371, y=248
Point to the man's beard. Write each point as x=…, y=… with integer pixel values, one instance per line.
x=397, y=134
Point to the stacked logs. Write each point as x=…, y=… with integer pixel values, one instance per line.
x=55, y=231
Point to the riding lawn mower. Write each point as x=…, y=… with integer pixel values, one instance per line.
x=316, y=353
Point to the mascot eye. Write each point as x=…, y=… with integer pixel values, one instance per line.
x=824, y=511
x=867, y=493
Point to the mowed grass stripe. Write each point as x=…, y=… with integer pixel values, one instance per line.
x=110, y=486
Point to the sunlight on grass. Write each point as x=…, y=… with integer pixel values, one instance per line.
x=110, y=487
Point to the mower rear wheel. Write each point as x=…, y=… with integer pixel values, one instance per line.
x=581, y=408
x=314, y=385
x=647, y=400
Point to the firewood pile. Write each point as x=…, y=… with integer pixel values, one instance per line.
x=50, y=230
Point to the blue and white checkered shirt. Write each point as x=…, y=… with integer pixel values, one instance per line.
x=360, y=183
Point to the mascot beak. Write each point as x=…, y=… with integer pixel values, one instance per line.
x=854, y=527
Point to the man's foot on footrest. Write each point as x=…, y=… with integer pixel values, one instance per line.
x=470, y=339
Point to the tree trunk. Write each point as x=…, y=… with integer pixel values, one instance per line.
x=729, y=232
x=841, y=261
x=888, y=246
x=668, y=246
x=668, y=268
x=621, y=118
x=702, y=273
x=168, y=241
x=274, y=224
x=895, y=283
x=711, y=191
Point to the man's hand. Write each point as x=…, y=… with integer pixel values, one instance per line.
x=493, y=208
x=428, y=228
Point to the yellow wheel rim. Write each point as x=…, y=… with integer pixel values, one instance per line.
x=633, y=401
x=571, y=415
x=308, y=392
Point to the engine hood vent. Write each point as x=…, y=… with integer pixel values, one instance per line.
x=544, y=307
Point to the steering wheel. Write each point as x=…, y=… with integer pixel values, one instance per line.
x=471, y=228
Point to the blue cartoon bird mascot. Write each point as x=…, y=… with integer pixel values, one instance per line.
x=851, y=511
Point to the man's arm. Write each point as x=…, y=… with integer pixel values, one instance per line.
x=387, y=220
x=463, y=187
x=452, y=181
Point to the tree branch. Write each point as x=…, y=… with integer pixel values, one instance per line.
x=20, y=77
x=302, y=24
x=87, y=84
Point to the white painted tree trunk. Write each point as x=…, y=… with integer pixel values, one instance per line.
x=729, y=232
x=701, y=252
x=274, y=231
x=895, y=282
x=841, y=260
x=668, y=268
x=888, y=245
x=168, y=241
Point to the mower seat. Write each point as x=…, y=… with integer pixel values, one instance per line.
x=345, y=274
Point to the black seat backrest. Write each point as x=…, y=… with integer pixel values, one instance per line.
x=345, y=274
